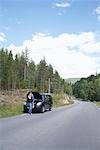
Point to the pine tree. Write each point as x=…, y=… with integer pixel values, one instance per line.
x=31, y=71
x=3, y=69
x=41, y=76
x=10, y=70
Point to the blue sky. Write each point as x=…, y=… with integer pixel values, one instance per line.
x=25, y=17
x=23, y=20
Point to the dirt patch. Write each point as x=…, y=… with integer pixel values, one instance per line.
x=12, y=97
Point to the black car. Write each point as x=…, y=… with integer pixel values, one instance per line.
x=42, y=102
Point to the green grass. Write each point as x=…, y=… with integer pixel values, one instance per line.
x=10, y=110
x=58, y=100
x=97, y=103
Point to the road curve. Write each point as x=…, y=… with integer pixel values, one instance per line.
x=75, y=127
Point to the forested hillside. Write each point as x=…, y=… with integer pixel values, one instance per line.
x=18, y=72
x=88, y=88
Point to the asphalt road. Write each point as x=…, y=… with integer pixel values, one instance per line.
x=75, y=127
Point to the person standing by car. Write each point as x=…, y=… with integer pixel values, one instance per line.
x=30, y=99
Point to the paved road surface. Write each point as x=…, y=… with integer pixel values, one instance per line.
x=68, y=128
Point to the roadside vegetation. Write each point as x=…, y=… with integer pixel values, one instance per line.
x=11, y=102
x=88, y=89
x=97, y=103
x=10, y=110
x=62, y=99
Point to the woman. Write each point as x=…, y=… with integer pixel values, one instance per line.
x=30, y=99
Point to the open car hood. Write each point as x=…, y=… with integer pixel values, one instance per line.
x=37, y=95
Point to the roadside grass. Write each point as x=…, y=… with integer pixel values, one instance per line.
x=59, y=100
x=97, y=103
x=10, y=110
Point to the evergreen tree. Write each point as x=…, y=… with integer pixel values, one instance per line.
x=3, y=69
x=41, y=76
x=10, y=70
x=31, y=70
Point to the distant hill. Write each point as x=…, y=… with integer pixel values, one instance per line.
x=72, y=80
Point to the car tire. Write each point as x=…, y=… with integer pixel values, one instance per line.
x=49, y=109
x=25, y=111
x=42, y=109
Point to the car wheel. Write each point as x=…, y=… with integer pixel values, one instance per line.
x=25, y=111
x=42, y=109
x=49, y=109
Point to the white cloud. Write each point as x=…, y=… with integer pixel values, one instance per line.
x=2, y=37
x=98, y=12
x=61, y=5
x=68, y=53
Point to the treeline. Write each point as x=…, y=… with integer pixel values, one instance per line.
x=18, y=72
x=88, y=88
